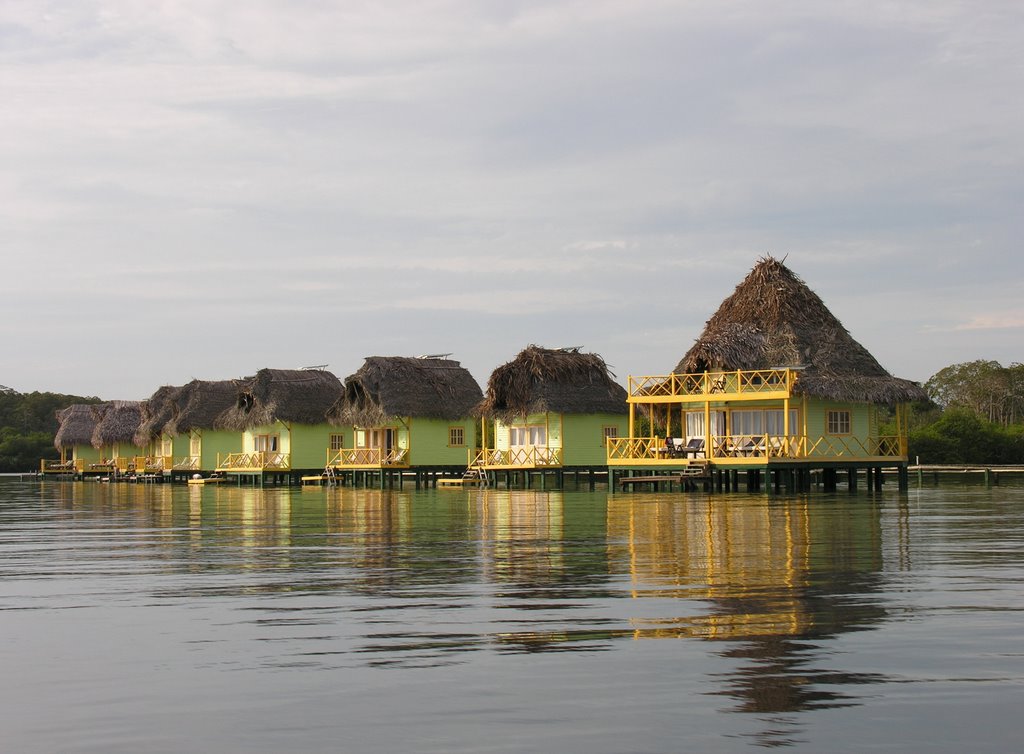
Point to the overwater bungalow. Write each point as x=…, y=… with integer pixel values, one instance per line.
x=114, y=437
x=73, y=440
x=197, y=442
x=551, y=408
x=401, y=412
x=773, y=383
x=159, y=446
x=281, y=415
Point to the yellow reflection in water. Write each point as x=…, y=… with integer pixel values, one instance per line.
x=748, y=562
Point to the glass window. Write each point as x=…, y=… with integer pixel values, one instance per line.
x=695, y=424
x=838, y=423
x=535, y=435
x=457, y=436
x=774, y=425
x=337, y=442
x=266, y=443
x=748, y=422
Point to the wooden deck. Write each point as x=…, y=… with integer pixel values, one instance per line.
x=685, y=479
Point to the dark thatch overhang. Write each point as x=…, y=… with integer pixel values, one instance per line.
x=562, y=381
x=76, y=423
x=116, y=422
x=199, y=403
x=400, y=386
x=302, y=396
x=773, y=319
x=156, y=412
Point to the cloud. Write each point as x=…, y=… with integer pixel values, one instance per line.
x=573, y=168
x=997, y=321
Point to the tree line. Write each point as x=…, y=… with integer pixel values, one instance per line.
x=28, y=424
x=975, y=416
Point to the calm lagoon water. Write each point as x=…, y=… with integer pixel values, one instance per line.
x=173, y=619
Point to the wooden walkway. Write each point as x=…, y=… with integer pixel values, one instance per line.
x=686, y=480
x=990, y=473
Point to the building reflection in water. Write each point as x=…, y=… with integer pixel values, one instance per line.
x=775, y=581
x=425, y=578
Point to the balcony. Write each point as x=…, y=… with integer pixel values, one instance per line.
x=152, y=464
x=756, y=450
x=757, y=384
x=187, y=463
x=69, y=466
x=519, y=457
x=370, y=458
x=254, y=463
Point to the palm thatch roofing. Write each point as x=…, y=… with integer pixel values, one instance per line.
x=156, y=412
x=198, y=404
x=116, y=422
x=401, y=386
x=774, y=320
x=302, y=396
x=563, y=381
x=76, y=425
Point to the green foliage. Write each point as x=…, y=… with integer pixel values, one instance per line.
x=960, y=436
x=987, y=388
x=21, y=452
x=28, y=423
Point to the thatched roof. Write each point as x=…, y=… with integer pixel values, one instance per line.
x=390, y=386
x=156, y=412
x=116, y=422
x=76, y=425
x=559, y=380
x=199, y=403
x=773, y=319
x=289, y=395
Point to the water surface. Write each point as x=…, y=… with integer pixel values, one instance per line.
x=177, y=619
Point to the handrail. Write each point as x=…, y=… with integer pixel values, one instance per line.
x=153, y=464
x=750, y=383
x=381, y=457
x=260, y=460
x=525, y=456
x=55, y=466
x=762, y=447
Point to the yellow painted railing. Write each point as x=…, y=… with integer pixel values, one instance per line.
x=101, y=465
x=623, y=450
x=258, y=461
x=750, y=385
x=152, y=464
x=372, y=457
x=519, y=457
x=187, y=463
x=47, y=466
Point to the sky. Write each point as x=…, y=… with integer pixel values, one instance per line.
x=203, y=188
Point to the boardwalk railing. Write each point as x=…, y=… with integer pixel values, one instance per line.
x=258, y=461
x=370, y=457
x=752, y=384
x=153, y=464
x=519, y=457
x=47, y=466
x=747, y=448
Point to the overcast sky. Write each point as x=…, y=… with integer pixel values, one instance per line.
x=202, y=188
